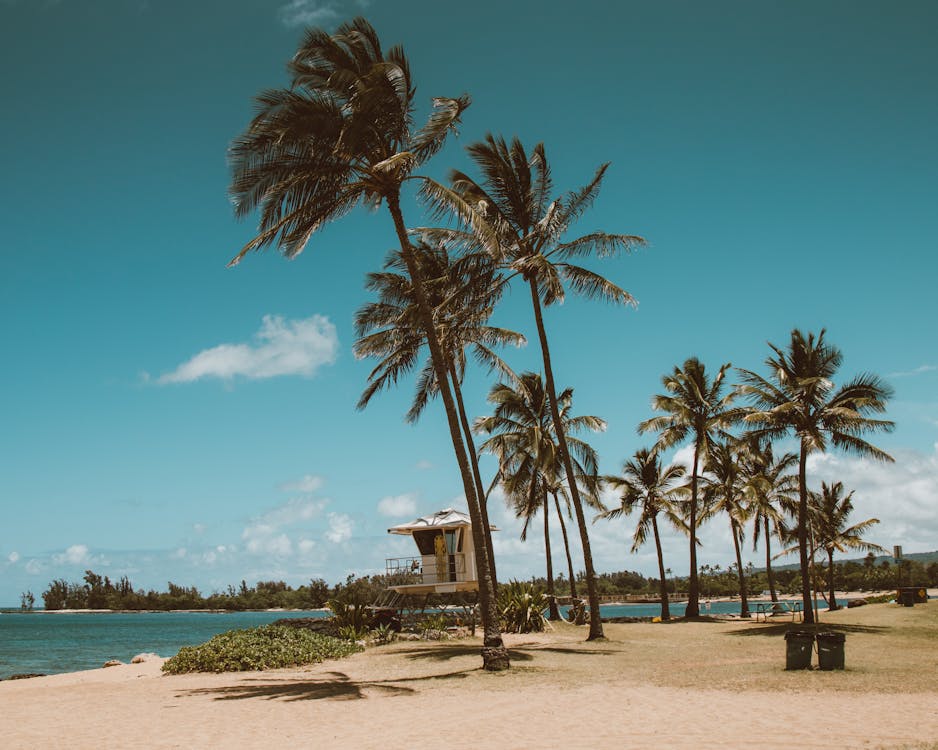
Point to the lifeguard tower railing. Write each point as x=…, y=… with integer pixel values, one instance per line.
x=428, y=569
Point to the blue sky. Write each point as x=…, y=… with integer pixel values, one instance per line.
x=170, y=419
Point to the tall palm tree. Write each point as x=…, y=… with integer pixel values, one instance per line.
x=770, y=493
x=801, y=398
x=649, y=487
x=525, y=444
x=341, y=135
x=694, y=407
x=462, y=294
x=724, y=493
x=512, y=215
x=828, y=511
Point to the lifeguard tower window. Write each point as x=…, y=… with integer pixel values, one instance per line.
x=425, y=540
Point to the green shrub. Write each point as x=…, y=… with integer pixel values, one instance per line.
x=350, y=615
x=521, y=608
x=267, y=647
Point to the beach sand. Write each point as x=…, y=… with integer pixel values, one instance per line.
x=646, y=686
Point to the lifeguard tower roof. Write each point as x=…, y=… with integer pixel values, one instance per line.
x=448, y=518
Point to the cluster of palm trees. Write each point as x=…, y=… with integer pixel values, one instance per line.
x=343, y=134
x=739, y=476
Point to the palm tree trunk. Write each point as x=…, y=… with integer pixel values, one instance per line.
x=553, y=612
x=665, y=610
x=494, y=653
x=693, y=585
x=743, y=601
x=596, y=625
x=768, y=564
x=474, y=460
x=566, y=546
x=806, y=605
x=832, y=603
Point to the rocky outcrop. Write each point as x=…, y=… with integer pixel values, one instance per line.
x=113, y=663
x=140, y=658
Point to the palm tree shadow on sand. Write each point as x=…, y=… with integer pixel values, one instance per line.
x=330, y=686
x=781, y=629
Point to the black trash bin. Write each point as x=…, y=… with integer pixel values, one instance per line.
x=798, y=647
x=907, y=597
x=830, y=650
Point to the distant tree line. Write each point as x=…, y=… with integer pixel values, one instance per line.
x=867, y=574
x=99, y=592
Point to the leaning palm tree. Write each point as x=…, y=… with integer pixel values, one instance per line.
x=801, y=398
x=724, y=492
x=694, y=407
x=512, y=215
x=770, y=494
x=525, y=444
x=649, y=487
x=828, y=512
x=462, y=294
x=342, y=135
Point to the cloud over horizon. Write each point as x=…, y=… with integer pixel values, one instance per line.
x=280, y=347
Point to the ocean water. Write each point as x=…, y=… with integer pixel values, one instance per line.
x=54, y=643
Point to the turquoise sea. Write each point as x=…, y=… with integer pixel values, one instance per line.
x=52, y=643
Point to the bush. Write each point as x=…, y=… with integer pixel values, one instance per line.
x=521, y=608
x=350, y=616
x=268, y=647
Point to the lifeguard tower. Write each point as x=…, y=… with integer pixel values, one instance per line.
x=442, y=576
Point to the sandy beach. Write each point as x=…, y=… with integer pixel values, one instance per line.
x=681, y=685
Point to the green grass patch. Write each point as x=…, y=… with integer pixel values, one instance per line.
x=267, y=647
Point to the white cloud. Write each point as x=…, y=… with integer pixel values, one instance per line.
x=305, y=546
x=281, y=347
x=179, y=554
x=922, y=369
x=307, y=484
x=307, y=12
x=13, y=557
x=199, y=528
x=77, y=554
x=340, y=528
x=396, y=506
x=34, y=567
x=423, y=465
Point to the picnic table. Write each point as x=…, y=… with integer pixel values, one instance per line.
x=771, y=609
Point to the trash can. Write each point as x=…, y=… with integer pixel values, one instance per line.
x=798, y=647
x=917, y=594
x=830, y=650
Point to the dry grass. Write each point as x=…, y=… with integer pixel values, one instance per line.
x=888, y=649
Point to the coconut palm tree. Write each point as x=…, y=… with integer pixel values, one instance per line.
x=649, y=487
x=694, y=407
x=513, y=215
x=462, y=294
x=525, y=444
x=770, y=494
x=828, y=511
x=724, y=493
x=801, y=398
x=342, y=135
